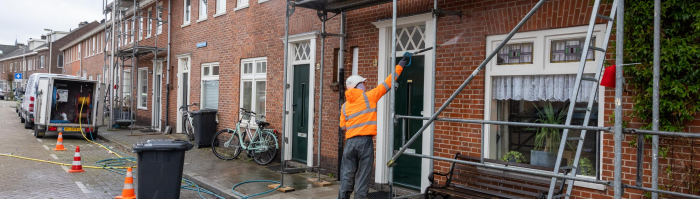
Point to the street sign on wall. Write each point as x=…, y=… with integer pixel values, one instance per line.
x=18, y=75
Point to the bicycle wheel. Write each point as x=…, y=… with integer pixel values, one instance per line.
x=266, y=148
x=223, y=151
x=189, y=129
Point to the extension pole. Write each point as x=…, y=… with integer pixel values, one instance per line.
x=431, y=143
x=285, y=87
x=111, y=66
x=464, y=85
x=324, y=18
x=392, y=95
x=655, y=109
x=618, y=98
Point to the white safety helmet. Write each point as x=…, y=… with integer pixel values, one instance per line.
x=354, y=80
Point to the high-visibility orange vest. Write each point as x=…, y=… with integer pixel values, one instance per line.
x=358, y=116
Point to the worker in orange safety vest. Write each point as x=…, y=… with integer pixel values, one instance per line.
x=358, y=118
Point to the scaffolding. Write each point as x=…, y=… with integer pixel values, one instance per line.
x=121, y=102
x=341, y=7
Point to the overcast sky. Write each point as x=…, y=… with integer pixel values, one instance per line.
x=27, y=18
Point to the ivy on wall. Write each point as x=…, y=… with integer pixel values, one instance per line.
x=679, y=58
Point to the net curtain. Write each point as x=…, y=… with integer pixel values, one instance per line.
x=540, y=87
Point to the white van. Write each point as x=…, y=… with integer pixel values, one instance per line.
x=62, y=103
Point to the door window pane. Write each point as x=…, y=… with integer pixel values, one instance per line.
x=570, y=50
x=247, y=93
x=260, y=97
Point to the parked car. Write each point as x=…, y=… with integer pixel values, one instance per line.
x=61, y=103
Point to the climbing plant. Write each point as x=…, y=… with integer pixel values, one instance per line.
x=679, y=82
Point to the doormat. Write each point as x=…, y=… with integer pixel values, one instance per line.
x=378, y=195
x=288, y=170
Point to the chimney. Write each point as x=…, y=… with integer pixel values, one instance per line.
x=81, y=24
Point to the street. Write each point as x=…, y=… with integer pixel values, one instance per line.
x=21, y=178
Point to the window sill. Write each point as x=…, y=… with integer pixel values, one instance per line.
x=148, y=37
x=588, y=185
x=185, y=25
x=202, y=19
x=241, y=7
x=262, y=1
x=142, y=108
x=219, y=14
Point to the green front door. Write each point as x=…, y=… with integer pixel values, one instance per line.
x=300, y=114
x=409, y=101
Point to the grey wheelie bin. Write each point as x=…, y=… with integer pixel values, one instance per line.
x=204, y=127
x=160, y=165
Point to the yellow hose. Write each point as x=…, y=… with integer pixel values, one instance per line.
x=58, y=163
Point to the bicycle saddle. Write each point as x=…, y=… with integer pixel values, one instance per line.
x=263, y=124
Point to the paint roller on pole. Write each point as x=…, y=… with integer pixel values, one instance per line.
x=392, y=162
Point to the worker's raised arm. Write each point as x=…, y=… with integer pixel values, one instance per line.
x=379, y=91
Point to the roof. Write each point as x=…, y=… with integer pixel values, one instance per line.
x=17, y=53
x=83, y=37
x=6, y=49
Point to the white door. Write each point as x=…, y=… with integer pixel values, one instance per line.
x=183, y=87
x=157, y=93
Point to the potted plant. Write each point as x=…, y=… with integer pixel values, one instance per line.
x=547, y=140
x=513, y=156
x=585, y=167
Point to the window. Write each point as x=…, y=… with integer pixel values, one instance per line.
x=143, y=88
x=150, y=24
x=90, y=77
x=126, y=88
x=355, y=57
x=125, y=32
x=532, y=81
x=159, y=29
x=253, y=84
x=141, y=29
x=242, y=4
x=59, y=59
x=84, y=74
x=94, y=45
x=202, y=10
x=42, y=61
x=99, y=78
x=187, y=12
x=570, y=50
x=133, y=29
x=520, y=53
x=410, y=38
x=220, y=6
x=210, y=86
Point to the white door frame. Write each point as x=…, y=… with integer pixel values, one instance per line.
x=384, y=148
x=294, y=39
x=182, y=61
x=157, y=70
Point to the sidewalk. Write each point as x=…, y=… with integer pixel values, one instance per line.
x=208, y=171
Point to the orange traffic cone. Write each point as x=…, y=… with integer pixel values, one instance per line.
x=77, y=166
x=59, y=143
x=128, y=191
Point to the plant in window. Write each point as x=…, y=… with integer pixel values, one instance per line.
x=585, y=167
x=547, y=139
x=513, y=156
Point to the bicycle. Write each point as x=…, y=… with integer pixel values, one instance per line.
x=187, y=119
x=227, y=144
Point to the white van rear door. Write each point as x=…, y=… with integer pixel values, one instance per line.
x=43, y=106
x=99, y=103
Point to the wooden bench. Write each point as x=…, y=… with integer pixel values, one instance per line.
x=467, y=181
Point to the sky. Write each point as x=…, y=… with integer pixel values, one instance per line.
x=26, y=19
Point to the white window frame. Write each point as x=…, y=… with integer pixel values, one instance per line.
x=220, y=7
x=139, y=90
x=149, y=24
x=43, y=64
x=255, y=77
x=99, y=78
x=202, y=11
x=187, y=13
x=208, y=77
x=159, y=16
x=140, y=26
x=240, y=4
x=541, y=66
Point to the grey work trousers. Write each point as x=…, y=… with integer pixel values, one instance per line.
x=358, y=158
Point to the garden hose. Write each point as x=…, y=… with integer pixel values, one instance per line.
x=257, y=194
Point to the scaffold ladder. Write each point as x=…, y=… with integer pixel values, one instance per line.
x=577, y=89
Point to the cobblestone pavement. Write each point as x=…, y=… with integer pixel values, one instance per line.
x=32, y=179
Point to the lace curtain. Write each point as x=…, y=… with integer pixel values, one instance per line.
x=540, y=87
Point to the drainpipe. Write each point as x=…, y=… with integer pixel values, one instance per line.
x=167, y=79
x=341, y=90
